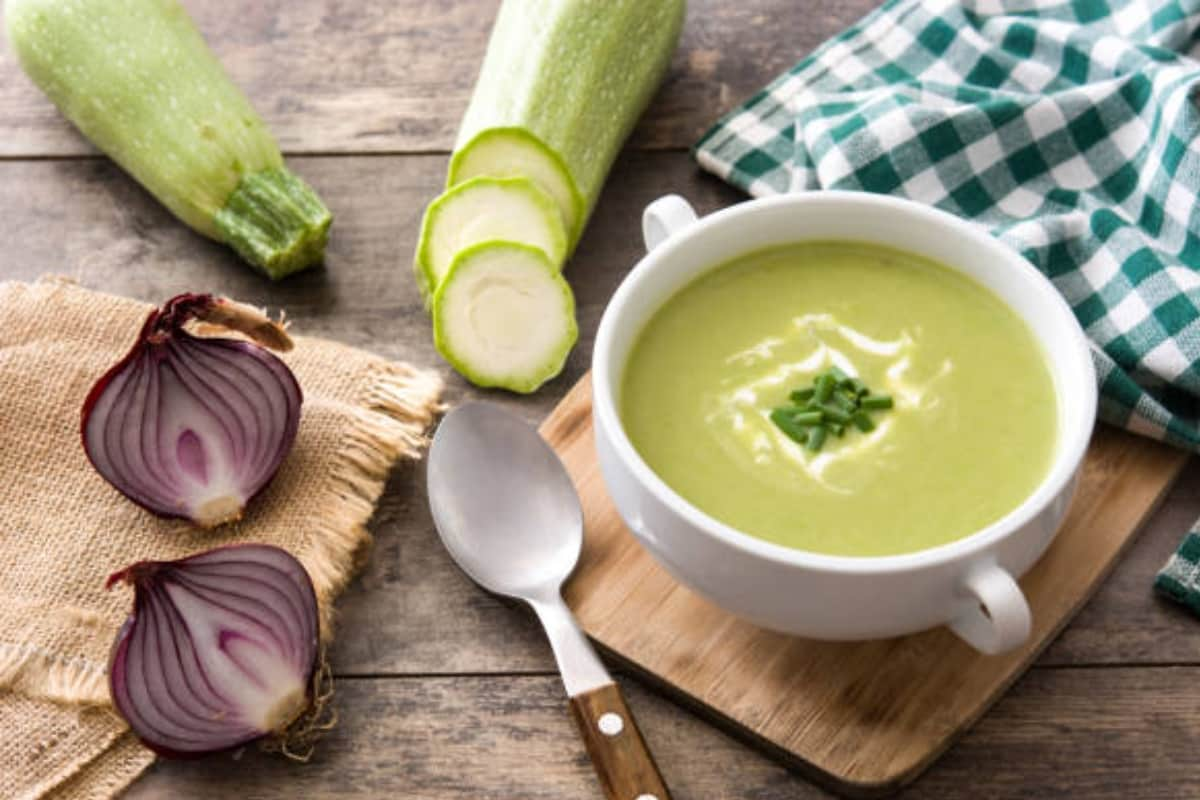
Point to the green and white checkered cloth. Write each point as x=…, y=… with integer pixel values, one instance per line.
x=1068, y=128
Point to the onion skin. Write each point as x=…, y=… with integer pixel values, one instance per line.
x=161, y=481
x=159, y=673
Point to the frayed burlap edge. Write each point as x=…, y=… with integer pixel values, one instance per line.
x=107, y=774
x=394, y=413
x=45, y=676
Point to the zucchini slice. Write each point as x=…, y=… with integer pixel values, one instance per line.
x=508, y=152
x=504, y=316
x=481, y=210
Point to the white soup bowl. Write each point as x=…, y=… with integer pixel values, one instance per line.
x=968, y=584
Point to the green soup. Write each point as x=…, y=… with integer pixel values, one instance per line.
x=969, y=438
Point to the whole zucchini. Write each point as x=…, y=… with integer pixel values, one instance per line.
x=138, y=80
x=562, y=85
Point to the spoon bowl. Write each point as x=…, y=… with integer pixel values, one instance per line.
x=503, y=502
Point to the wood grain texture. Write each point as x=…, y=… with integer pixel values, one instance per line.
x=356, y=76
x=1100, y=734
x=866, y=717
x=85, y=219
x=1126, y=622
x=619, y=754
x=455, y=698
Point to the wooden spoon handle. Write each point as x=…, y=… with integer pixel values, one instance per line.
x=619, y=753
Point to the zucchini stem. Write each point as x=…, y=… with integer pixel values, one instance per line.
x=275, y=221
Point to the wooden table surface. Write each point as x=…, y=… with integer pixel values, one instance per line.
x=444, y=692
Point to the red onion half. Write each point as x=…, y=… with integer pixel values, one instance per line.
x=190, y=426
x=220, y=649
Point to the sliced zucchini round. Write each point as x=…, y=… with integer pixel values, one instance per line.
x=486, y=209
x=504, y=316
x=509, y=152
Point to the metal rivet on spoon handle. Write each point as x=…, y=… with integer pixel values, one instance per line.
x=510, y=517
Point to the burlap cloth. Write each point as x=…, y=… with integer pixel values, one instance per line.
x=63, y=529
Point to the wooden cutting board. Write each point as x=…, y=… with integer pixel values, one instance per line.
x=863, y=718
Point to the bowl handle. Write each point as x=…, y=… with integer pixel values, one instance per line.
x=665, y=217
x=1002, y=620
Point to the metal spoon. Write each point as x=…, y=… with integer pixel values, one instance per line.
x=509, y=515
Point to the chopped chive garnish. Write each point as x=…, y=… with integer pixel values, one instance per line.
x=844, y=403
x=863, y=422
x=824, y=387
x=802, y=396
x=833, y=403
x=834, y=414
x=782, y=417
x=807, y=417
x=816, y=438
x=876, y=402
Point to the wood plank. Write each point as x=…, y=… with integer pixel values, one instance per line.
x=1126, y=622
x=412, y=611
x=353, y=76
x=86, y=220
x=1112, y=733
x=867, y=717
